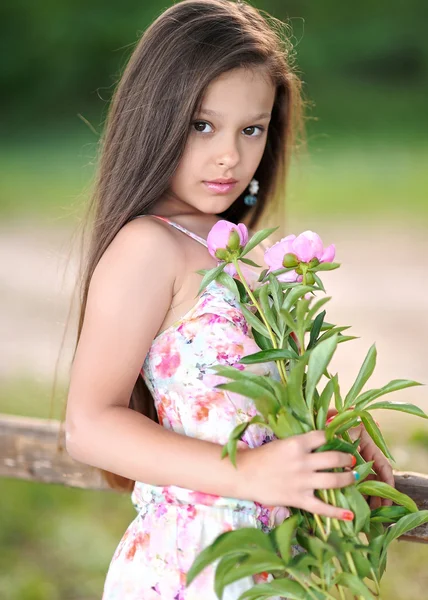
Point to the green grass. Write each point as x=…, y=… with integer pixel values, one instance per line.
x=56, y=543
x=50, y=177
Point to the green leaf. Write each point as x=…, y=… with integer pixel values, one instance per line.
x=256, y=562
x=256, y=239
x=254, y=321
x=284, y=587
x=359, y=507
x=375, y=546
x=301, y=309
x=277, y=293
x=265, y=401
x=290, y=322
x=362, y=563
x=338, y=402
x=283, y=535
x=238, y=375
x=375, y=433
x=281, y=392
x=262, y=275
x=388, y=514
x=268, y=355
x=331, y=331
x=325, y=267
x=338, y=444
x=267, y=310
x=318, y=304
x=244, y=538
x=364, y=374
x=295, y=384
x=319, y=358
x=341, y=419
x=319, y=282
x=384, y=490
x=293, y=295
x=282, y=426
x=364, y=469
x=315, y=329
x=229, y=282
x=320, y=549
x=392, y=386
x=324, y=403
x=210, y=276
x=263, y=342
x=404, y=525
x=226, y=564
x=233, y=439
x=250, y=262
x=354, y=583
x=401, y=406
x=346, y=338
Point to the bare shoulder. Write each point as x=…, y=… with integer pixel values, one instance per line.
x=144, y=241
x=129, y=294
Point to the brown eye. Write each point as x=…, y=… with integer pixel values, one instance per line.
x=199, y=124
x=261, y=129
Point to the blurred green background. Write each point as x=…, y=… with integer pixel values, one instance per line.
x=363, y=182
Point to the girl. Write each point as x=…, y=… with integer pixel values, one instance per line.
x=208, y=95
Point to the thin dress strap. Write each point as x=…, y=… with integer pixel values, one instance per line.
x=180, y=227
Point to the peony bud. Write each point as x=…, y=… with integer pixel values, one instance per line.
x=234, y=240
x=222, y=254
x=290, y=260
x=314, y=263
x=310, y=279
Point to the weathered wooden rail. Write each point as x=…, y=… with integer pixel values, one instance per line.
x=34, y=449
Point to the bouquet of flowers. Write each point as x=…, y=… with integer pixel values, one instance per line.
x=289, y=327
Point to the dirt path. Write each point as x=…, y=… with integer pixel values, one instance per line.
x=381, y=290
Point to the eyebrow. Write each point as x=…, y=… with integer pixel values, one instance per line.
x=213, y=113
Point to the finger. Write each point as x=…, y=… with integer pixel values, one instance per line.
x=356, y=432
x=316, y=506
x=314, y=439
x=375, y=502
x=330, y=459
x=326, y=481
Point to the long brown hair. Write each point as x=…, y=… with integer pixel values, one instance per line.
x=182, y=51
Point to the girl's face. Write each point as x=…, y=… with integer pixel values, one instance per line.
x=228, y=144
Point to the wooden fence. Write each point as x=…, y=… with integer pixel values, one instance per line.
x=30, y=449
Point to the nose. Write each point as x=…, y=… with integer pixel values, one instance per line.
x=228, y=153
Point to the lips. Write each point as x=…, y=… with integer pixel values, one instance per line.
x=220, y=188
x=222, y=181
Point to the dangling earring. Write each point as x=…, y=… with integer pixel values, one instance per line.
x=251, y=198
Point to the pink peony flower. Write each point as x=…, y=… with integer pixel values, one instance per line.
x=307, y=246
x=219, y=236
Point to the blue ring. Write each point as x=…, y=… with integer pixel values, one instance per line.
x=356, y=475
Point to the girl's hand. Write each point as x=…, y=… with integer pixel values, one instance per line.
x=369, y=451
x=287, y=472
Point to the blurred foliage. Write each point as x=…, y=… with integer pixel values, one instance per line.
x=419, y=438
x=363, y=64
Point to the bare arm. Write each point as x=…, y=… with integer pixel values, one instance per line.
x=130, y=293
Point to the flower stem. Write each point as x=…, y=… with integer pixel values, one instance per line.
x=281, y=365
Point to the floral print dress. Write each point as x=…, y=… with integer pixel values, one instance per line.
x=173, y=524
